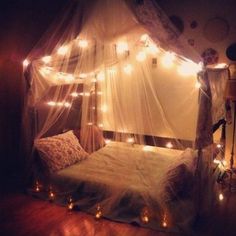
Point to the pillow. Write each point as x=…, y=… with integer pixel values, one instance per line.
x=60, y=151
x=90, y=137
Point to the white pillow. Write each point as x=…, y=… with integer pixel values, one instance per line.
x=60, y=151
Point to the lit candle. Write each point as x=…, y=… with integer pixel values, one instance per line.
x=98, y=213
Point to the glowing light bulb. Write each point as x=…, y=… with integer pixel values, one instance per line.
x=98, y=213
x=51, y=195
x=169, y=145
x=107, y=141
x=128, y=69
x=141, y=56
x=219, y=145
x=37, y=188
x=224, y=162
x=60, y=104
x=220, y=65
x=188, y=68
x=197, y=85
x=122, y=47
x=83, y=43
x=164, y=222
x=74, y=94
x=67, y=104
x=90, y=123
x=144, y=37
x=100, y=76
x=153, y=49
x=147, y=148
x=104, y=108
x=99, y=93
x=69, y=77
x=51, y=103
x=130, y=140
x=86, y=94
x=221, y=197
x=70, y=205
x=26, y=63
x=93, y=80
x=47, y=59
x=62, y=50
x=45, y=70
x=100, y=125
x=83, y=75
x=168, y=59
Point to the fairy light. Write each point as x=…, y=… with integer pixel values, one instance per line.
x=83, y=76
x=93, y=80
x=46, y=59
x=51, y=103
x=112, y=71
x=130, y=140
x=219, y=145
x=70, y=205
x=45, y=70
x=104, y=108
x=74, y=94
x=197, y=85
x=128, y=69
x=69, y=77
x=98, y=213
x=221, y=197
x=99, y=93
x=168, y=59
x=122, y=47
x=169, y=145
x=164, y=222
x=89, y=123
x=100, y=125
x=26, y=63
x=147, y=148
x=141, y=56
x=83, y=43
x=51, y=195
x=189, y=68
x=60, y=104
x=153, y=49
x=67, y=104
x=37, y=188
x=62, y=50
x=86, y=94
x=100, y=76
x=144, y=37
x=107, y=141
x=220, y=66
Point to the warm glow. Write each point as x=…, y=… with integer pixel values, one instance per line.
x=112, y=71
x=104, y=108
x=93, y=80
x=51, y=195
x=47, y=59
x=82, y=76
x=168, y=59
x=219, y=145
x=197, y=85
x=147, y=148
x=86, y=94
x=128, y=69
x=70, y=206
x=51, y=103
x=74, y=94
x=62, y=50
x=67, y=104
x=130, y=140
x=153, y=49
x=60, y=104
x=221, y=197
x=69, y=77
x=100, y=125
x=189, y=68
x=90, y=123
x=164, y=224
x=100, y=76
x=221, y=65
x=45, y=70
x=144, y=37
x=169, y=145
x=141, y=56
x=107, y=141
x=99, y=93
x=122, y=47
x=98, y=213
x=26, y=63
x=83, y=43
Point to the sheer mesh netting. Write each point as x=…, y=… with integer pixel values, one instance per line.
x=116, y=74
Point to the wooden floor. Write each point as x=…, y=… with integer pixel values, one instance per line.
x=23, y=215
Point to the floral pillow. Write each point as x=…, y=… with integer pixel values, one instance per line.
x=60, y=151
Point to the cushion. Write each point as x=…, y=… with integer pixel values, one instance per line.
x=90, y=137
x=60, y=151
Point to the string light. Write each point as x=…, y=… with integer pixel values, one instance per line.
x=197, y=85
x=83, y=76
x=69, y=77
x=89, y=123
x=221, y=197
x=99, y=93
x=37, y=188
x=46, y=59
x=189, y=68
x=26, y=63
x=130, y=140
x=67, y=104
x=220, y=66
x=51, y=103
x=86, y=94
x=145, y=216
x=107, y=141
x=219, y=145
x=147, y=148
x=51, y=195
x=168, y=59
x=141, y=56
x=153, y=49
x=144, y=37
x=83, y=43
x=164, y=222
x=98, y=213
x=128, y=69
x=122, y=47
x=169, y=145
x=100, y=76
x=100, y=125
x=104, y=108
x=60, y=104
x=45, y=70
x=62, y=50
x=70, y=205
x=74, y=94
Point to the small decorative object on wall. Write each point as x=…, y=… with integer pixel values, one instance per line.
x=178, y=23
x=216, y=29
x=231, y=52
x=210, y=56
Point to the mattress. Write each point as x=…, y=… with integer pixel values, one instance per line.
x=123, y=180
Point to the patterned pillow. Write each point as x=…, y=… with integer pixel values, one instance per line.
x=60, y=151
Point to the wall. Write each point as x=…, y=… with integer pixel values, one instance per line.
x=21, y=25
